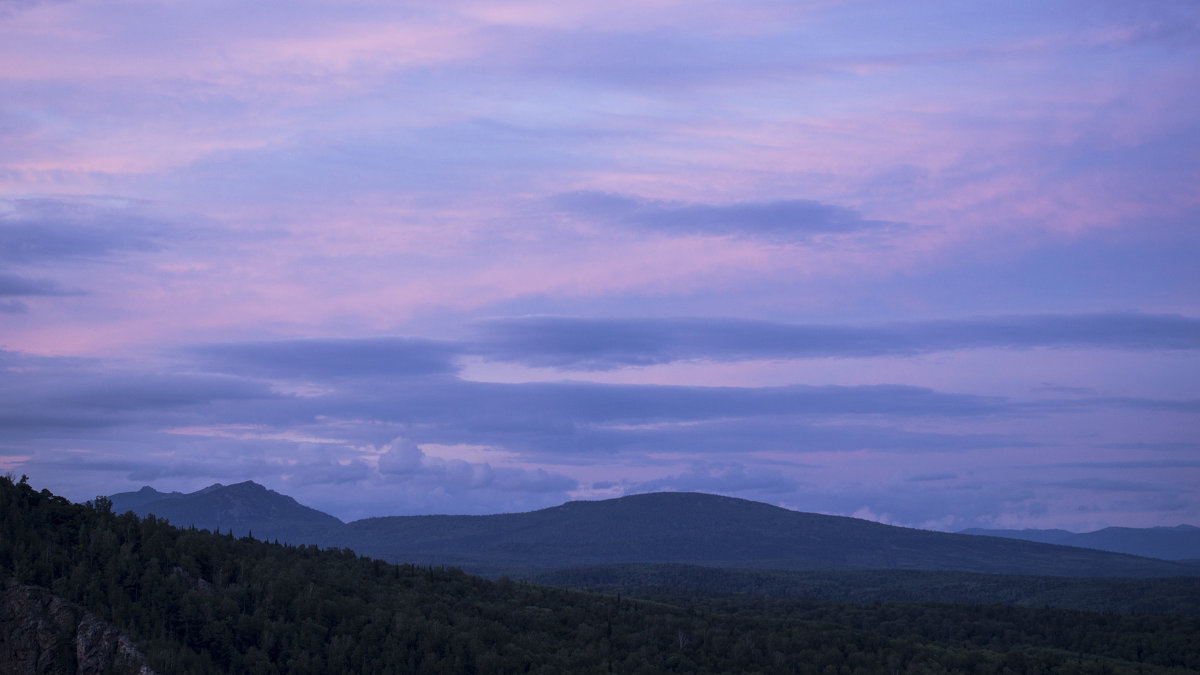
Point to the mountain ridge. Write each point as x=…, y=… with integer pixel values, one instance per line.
x=696, y=528
x=1177, y=543
x=661, y=527
x=129, y=501
x=243, y=508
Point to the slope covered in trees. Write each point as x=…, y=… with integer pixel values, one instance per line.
x=199, y=602
x=1175, y=595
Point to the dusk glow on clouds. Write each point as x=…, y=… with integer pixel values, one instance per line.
x=930, y=263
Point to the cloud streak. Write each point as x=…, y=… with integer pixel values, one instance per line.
x=600, y=344
x=12, y=285
x=332, y=358
x=779, y=221
x=41, y=230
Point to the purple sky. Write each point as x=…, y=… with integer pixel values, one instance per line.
x=929, y=263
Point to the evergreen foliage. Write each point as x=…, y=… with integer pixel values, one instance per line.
x=1171, y=595
x=203, y=602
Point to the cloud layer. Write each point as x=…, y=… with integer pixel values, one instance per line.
x=930, y=263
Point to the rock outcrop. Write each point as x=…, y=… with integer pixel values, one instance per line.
x=43, y=634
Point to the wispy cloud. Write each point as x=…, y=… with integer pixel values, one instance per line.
x=332, y=358
x=1111, y=485
x=1132, y=464
x=598, y=344
x=40, y=230
x=12, y=285
x=789, y=220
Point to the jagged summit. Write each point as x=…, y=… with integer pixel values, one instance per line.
x=241, y=508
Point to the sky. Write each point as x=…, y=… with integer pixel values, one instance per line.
x=933, y=264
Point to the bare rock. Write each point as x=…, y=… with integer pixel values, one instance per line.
x=43, y=634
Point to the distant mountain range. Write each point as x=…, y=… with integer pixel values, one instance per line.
x=1181, y=542
x=243, y=508
x=685, y=528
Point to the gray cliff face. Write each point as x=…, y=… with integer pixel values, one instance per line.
x=43, y=634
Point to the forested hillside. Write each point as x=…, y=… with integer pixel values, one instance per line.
x=199, y=602
x=1175, y=595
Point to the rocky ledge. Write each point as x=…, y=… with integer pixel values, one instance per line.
x=43, y=634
